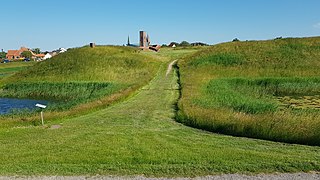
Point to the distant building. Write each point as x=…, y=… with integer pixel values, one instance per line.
x=128, y=43
x=39, y=56
x=144, y=39
x=92, y=45
x=145, y=43
x=199, y=44
x=16, y=54
x=131, y=45
x=173, y=44
x=61, y=50
x=47, y=56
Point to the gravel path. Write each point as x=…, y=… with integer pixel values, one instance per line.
x=285, y=176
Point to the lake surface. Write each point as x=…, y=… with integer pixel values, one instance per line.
x=9, y=104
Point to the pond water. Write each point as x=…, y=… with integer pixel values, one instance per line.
x=9, y=104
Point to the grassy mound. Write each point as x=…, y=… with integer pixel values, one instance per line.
x=100, y=64
x=233, y=88
x=83, y=75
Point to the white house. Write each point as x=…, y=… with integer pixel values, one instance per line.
x=47, y=56
x=62, y=50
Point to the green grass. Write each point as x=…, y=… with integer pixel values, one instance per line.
x=137, y=136
x=100, y=64
x=226, y=93
x=232, y=88
x=256, y=95
x=140, y=137
x=82, y=79
x=7, y=69
x=225, y=59
x=178, y=52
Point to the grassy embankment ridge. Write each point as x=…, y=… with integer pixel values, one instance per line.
x=140, y=137
x=81, y=80
x=261, y=89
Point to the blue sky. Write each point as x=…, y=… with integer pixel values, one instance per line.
x=73, y=23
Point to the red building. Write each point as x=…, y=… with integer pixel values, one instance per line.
x=16, y=54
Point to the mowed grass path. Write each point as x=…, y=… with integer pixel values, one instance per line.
x=140, y=137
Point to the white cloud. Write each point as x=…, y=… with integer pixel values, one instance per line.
x=317, y=25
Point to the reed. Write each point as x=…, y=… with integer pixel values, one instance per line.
x=232, y=88
x=81, y=79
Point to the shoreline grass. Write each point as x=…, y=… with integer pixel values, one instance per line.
x=81, y=80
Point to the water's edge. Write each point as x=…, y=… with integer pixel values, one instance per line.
x=12, y=105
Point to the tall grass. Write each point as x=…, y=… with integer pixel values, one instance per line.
x=62, y=95
x=82, y=79
x=103, y=63
x=255, y=95
x=225, y=59
x=138, y=137
x=235, y=93
x=220, y=93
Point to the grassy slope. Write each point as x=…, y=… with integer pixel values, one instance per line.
x=140, y=137
x=100, y=64
x=209, y=101
x=7, y=69
x=82, y=79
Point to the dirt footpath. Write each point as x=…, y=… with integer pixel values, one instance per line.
x=170, y=67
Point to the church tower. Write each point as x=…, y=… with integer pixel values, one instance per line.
x=128, y=44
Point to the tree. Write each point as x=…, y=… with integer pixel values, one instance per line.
x=26, y=54
x=3, y=55
x=235, y=40
x=36, y=50
x=184, y=43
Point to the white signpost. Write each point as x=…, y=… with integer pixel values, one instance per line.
x=41, y=114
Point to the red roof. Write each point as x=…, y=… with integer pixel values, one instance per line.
x=13, y=53
x=40, y=55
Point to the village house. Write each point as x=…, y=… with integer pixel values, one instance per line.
x=16, y=54
x=62, y=50
x=39, y=57
x=173, y=44
x=49, y=55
